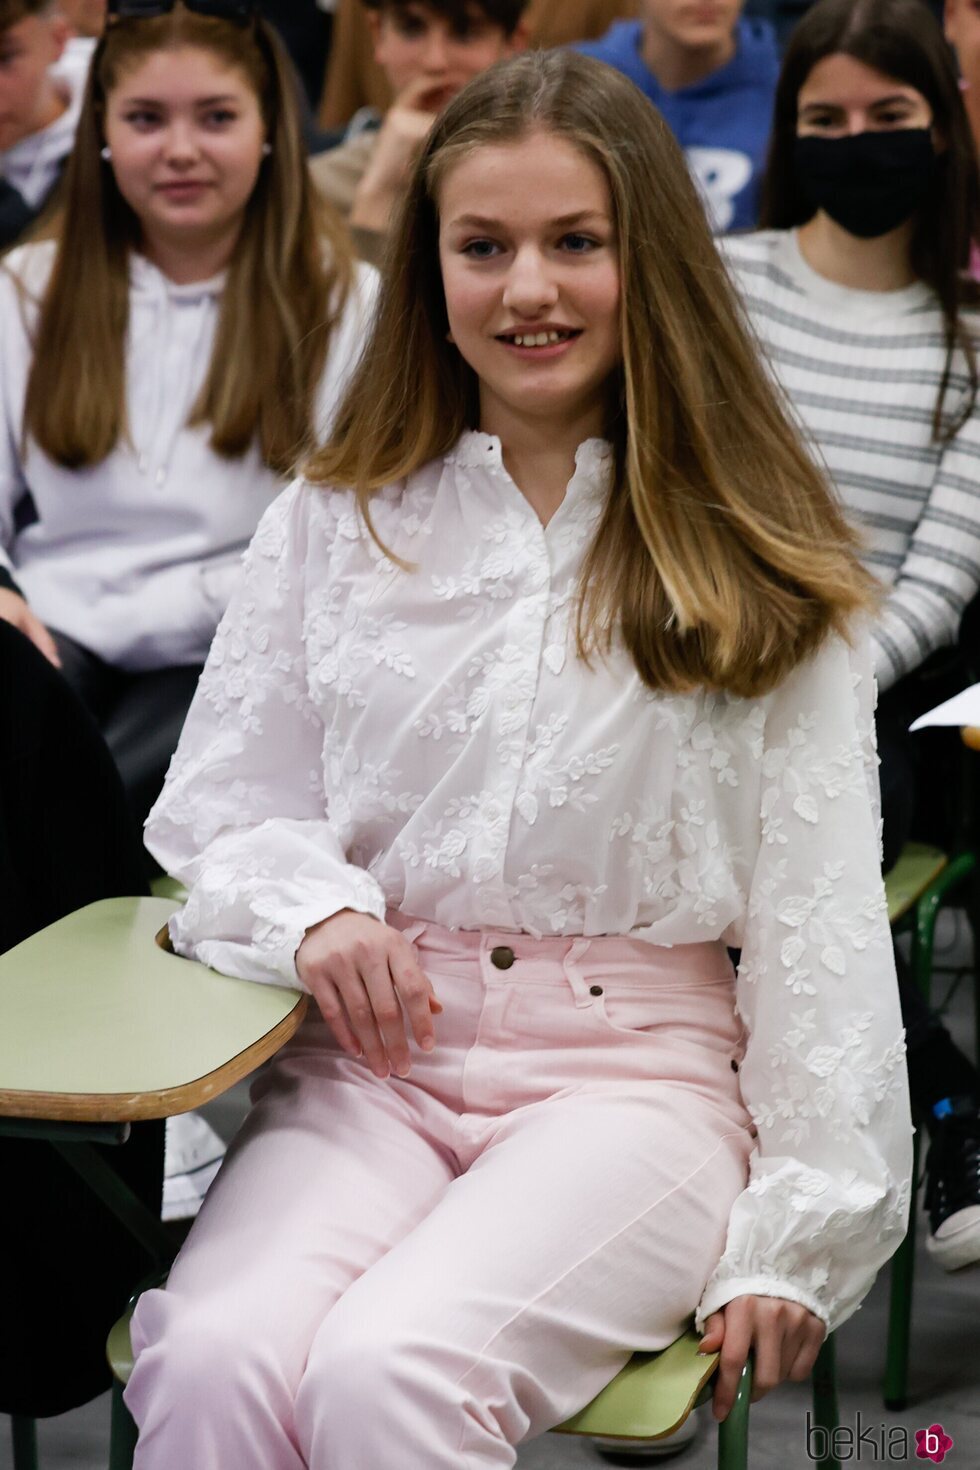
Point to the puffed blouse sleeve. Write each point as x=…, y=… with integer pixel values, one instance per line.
x=244, y=816
x=824, y=1074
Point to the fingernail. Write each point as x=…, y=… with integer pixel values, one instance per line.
x=428, y=1043
x=402, y=1071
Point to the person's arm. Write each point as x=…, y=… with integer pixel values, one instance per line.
x=824, y=1075
x=244, y=816
x=406, y=125
x=941, y=571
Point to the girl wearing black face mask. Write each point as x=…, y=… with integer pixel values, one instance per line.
x=857, y=288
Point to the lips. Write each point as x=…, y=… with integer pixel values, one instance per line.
x=182, y=186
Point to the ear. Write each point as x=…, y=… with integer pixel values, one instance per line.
x=949, y=21
x=59, y=33
x=374, y=20
x=519, y=38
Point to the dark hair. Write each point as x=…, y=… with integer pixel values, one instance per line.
x=504, y=13
x=900, y=39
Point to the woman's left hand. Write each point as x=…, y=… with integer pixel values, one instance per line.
x=784, y=1337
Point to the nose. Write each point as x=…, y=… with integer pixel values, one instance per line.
x=530, y=288
x=180, y=143
x=435, y=57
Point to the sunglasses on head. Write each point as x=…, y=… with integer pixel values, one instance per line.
x=240, y=12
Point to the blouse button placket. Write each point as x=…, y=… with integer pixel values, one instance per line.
x=523, y=628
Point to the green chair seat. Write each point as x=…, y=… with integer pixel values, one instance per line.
x=650, y=1397
x=905, y=883
x=119, y=1348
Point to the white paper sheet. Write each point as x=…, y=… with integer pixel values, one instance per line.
x=962, y=709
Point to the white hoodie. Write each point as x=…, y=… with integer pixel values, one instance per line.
x=136, y=557
x=33, y=165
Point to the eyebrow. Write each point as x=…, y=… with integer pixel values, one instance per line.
x=839, y=106
x=162, y=102
x=483, y=222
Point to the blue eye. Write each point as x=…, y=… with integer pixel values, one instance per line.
x=579, y=244
x=480, y=249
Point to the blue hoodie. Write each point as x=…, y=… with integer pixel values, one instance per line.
x=721, y=122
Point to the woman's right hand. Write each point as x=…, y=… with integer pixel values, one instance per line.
x=13, y=609
x=367, y=981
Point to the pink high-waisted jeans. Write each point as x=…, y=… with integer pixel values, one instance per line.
x=418, y=1274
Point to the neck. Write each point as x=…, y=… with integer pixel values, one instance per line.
x=882, y=264
x=183, y=261
x=539, y=453
x=676, y=66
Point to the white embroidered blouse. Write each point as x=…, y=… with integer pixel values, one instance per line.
x=368, y=737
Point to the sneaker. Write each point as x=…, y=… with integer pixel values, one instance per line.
x=953, y=1184
x=636, y=1452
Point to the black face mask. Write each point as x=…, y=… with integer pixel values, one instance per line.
x=869, y=183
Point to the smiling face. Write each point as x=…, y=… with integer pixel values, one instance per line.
x=842, y=96
x=414, y=43
x=186, y=133
x=530, y=269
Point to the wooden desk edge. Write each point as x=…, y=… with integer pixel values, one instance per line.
x=134, y=1107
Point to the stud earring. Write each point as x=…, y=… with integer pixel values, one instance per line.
x=266, y=149
x=106, y=153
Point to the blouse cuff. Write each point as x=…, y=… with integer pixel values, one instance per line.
x=719, y=1293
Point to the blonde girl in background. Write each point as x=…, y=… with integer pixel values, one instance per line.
x=549, y=682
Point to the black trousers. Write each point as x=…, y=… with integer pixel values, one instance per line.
x=937, y=1068
x=66, y=839
x=140, y=716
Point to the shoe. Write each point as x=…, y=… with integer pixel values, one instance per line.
x=636, y=1452
x=953, y=1184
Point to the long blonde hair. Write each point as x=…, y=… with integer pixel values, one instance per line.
x=286, y=284
x=722, y=558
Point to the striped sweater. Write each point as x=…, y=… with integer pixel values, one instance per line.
x=862, y=369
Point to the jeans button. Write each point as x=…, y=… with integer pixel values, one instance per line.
x=502, y=957
x=595, y=989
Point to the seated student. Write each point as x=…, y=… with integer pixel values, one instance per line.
x=507, y=726
x=42, y=78
x=429, y=50
x=355, y=80
x=712, y=74
x=856, y=291
x=161, y=364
